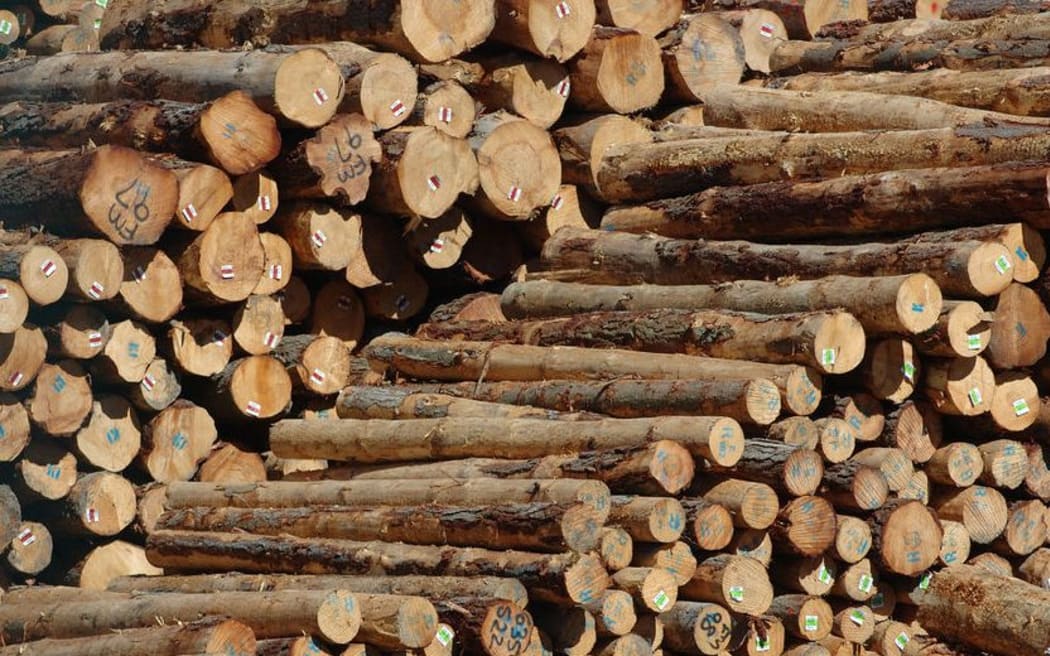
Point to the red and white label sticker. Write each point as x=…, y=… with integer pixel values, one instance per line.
x=94, y=339
x=320, y=96
x=264, y=203
x=562, y=9
x=148, y=383
x=16, y=379
x=48, y=268
x=766, y=30
x=253, y=409
x=318, y=377
x=437, y=245
x=564, y=87
x=4, y=294
x=271, y=340
x=434, y=182
x=96, y=290
x=276, y=271
x=227, y=272
x=397, y=108
x=91, y=515
x=318, y=238
x=189, y=213
x=445, y=114
x=26, y=537
x=557, y=202
x=514, y=195
x=139, y=273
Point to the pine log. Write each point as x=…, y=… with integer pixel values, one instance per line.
x=176, y=440
x=760, y=31
x=14, y=306
x=701, y=53
x=199, y=346
x=892, y=463
x=338, y=312
x=126, y=355
x=805, y=526
x=466, y=361
x=205, y=636
x=14, y=427
x=98, y=505
x=61, y=398
x=399, y=299
x=1036, y=569
x=647, y=172
x=336, y=162
x=790, y=470
x=649, y=519
x=401, y=493
x=907, y=536
x=854, y=486
x=805, y=617
x=439, y=242
x=79, y=333
x=856, y=582
x=422, y=171
x=1020, y=329
x=1003, y=615
x=273, y=80
x=963, y=329
x=334, y=615
x=956, y=464
x=46, y=471
x=737, y=583
x=887, y=11
x=255, y=387
x=915, y=429
x=753, y=544
x=804, y=20
x=582, y=146
x=755, y=401
x=320, y=236
x=57, y=39
x=569, y=207
x=616, y=549
x=484, y=626
x=277, y=265
x=397, y=402
x=1026, y=529
x=22, y=356
x=793, y=431
x=709, y=525
x=112, y=191
x=619, y=258
x=256, y=196
x=754, y=505
x=718, y=439
x=549, y=29
x=444, y=104
x=812, y=575
x=1026, y=245
x=552, y=577
x=613, y=613
x=230, y=131
x=971, y=9
x=258, y=325
x=29, y=553
x=225, y=262
x=42, y=274
x=1037, y=481
x=955, y=545
x=479, y=305
x=111, y=438
x=691, y=627
x=650, y=17
x=830, y=342
x=151, y=289
x=618, y=71
x=534, y=527
x=863, y=414
x=960, y=386
x=836, y=439
x=1005, y=464
x=982, y=510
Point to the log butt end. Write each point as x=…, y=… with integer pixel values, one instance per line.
x=308, y=88
x=126, y=198
x=443, y=29
x=762, y=399
x=43, y=274
x=919, y=302
x=339, y=617
x=388, y=90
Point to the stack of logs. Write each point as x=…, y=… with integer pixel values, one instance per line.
x=768, y=379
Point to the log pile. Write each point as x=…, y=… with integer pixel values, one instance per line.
x=517, y=327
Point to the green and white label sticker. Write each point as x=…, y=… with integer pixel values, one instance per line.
x=1002, y=264
x=824, y=575
x=102, y=3
x=445, y=635
x=973, y=342
x=924, y=582
x=902, y=640
x=857, y=617
x=975, y=397
x=827, y=357
x=6, y=26
x=661, y=600
x=1021, y=407
x=908, y=369
x=736, y=593
x=811, y=623
x=865, y=583
x=761, y=644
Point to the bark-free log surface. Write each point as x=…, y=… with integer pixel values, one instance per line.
x=960, y=386
x=111, y=438
x=22, y=356
x=61, y=399
x=176, y=440
x=151, y=288
x=224, y=263
x=14, y=427
x=649, y=17
x=42, y=274
x=740, y=584
x=1020, y=329
x=98, y=505
x=806, y=526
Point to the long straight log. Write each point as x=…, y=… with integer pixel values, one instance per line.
x=540, y=526
x=334, y=615
x=718, y=439
x=977, y=268
x=192, y=131
x=892, y=304
x=800, y=388
x=832, y=342
x=854, y=204
x=274, y=81
x=754, y=401
x=667, y=169
x=547, y=576
x=206, y=636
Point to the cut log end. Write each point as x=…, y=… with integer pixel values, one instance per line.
x=308, y=88
x=443, y=29
x=907, y=536
x=14, y=426
x=260, y=387
x=518, y=166
x=706, y=52
x=14, y=306
x=151, y=287
x=619, y=70
x=342, y=155
x=339, y=617
x=127, y=199
x=919, y=301
x=808, y=525
x=240, y=137
x=43, y=274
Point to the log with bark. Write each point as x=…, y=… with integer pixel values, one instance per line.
x=737, y=583
x=204, y=636
x=618, y=71
x=791, y=470
x=545, y=28
x=22, y=356
x=804, y=20
x=582, y=146
x=39, y=270
x=701, y=53
x=760, y=31
x=982, y=510
x=369, y=402
x=101, y=504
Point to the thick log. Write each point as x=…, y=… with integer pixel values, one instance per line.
x=812, y=575
x=547, y=576
x=14, y=306
x=709, y=525
x=22, y=356
x=29, y=553
x=444, y=104
x=176, y=440
x=46, y=471
x=14, y=427
x=98, y=505
x=971, y=9
x=545, y=28
x=646, y=172
x=255, y=387
x=618, y=71
x=617, y=258
x=616, y=549
x=151, y=289
x=648, y=519
x=61, y=398
x=583, y=145
x=701, y=53
x=79, y=334
x=112, y=191
x=957, y=464
x=906, y=536
x=787, y=469
x=915, y=429
x=205, y=636
x=887, y=11
x=692, y=627
x=963, y=329
x=856, y=582
x=569, y=207
x=863, y=414
x=960, y=386
x=955, y=545
x=737, y=583
x=338, y=312
x=613, y=612
x=39, y=270
x=334, y=615
x=832, y=342
x=466, y=361
x=397, y=402
x=1005, y=464
x=805, y=20
x=1020, y=329
x=258, y=324
x=273, y=80
x=483, y=626
x=277, y=265
x=716, y=438
x=753, y=544
x=1003, y=616
x=256, y=196
x=836, y=439
x=199, y=346
x=760, y=31
x=439, y=242
x=805, y=526
x=1036, y=569
x=320, y=236
x=1026, y=529
x=982, y=510
x=334, y=163
x=805, y=617
x=224, y=263
x=534, y=527
x=126, y=355
x=892, y=463
x=231, y=131
x=111, y=438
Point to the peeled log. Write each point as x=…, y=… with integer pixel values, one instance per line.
x=678, y=167
x=891, y=304
x=855, y=204
x=998, y=614
x=593, y=256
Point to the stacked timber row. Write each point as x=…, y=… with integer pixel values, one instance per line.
x=768, y=376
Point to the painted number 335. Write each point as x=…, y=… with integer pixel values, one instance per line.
x=518, y=629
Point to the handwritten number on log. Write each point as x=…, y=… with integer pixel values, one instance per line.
x=358, y=166
x=131, y=200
